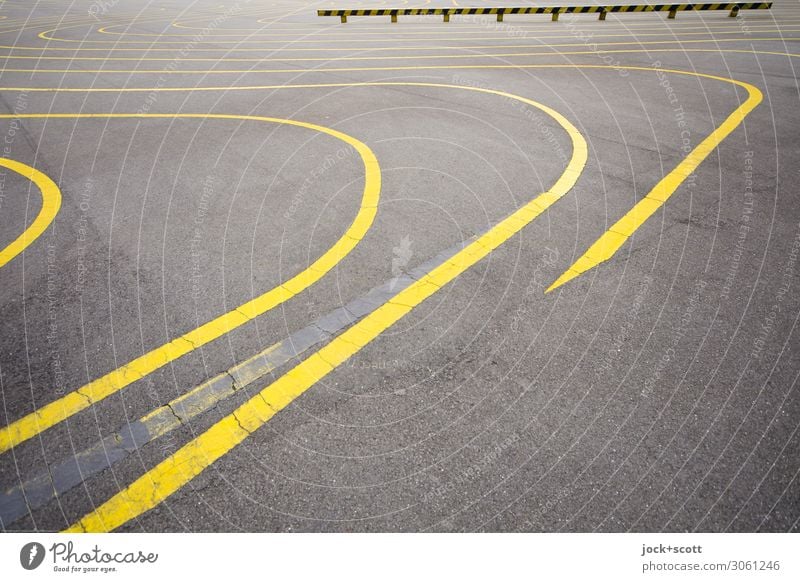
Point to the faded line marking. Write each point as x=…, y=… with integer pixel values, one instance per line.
x=351, y=58
x=399, y=48
x=45, y=36
x=372, y=58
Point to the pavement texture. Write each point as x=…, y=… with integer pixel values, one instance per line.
x=207, y=153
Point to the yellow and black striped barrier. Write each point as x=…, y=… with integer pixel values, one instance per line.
x=672, y=9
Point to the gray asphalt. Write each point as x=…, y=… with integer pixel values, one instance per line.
x=656, y=392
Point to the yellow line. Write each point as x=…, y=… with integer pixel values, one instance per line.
x=434, y=26
x=178, y=469
x=610, y=242
x=150, y=43
x=348, y=69
x=444, y=31
x=58, y=410
x=51, y=202
x=527, y=25
x=351, y=69
x=329, y=49
x=372, y=58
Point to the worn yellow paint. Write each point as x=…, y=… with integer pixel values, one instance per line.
x=174, y=472
x=348, y=58
x=51, y=202
x=178, y=469
x=525, y=25
x=612, y=240
x=350, y=49
x=293, y=72
x=365, y=31
x=46, y=36
x=80, y=399
x=365, y=84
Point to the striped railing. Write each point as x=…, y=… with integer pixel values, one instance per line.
x=446, y=13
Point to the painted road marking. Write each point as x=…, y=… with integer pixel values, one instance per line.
x=369, y=84
x=609, y=243
x=324, y=69
x=51, y=202
x=612, y=240
x=324, y=33
x=148, y=43
x=178, y=469
x=95, y=391
x=531, y=25
x=430, y=291
x=60, y=477
x=370, y=58
x=329, y=49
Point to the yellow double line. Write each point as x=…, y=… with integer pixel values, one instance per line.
x=80, y=399
x=174, y=472
x=178, y=469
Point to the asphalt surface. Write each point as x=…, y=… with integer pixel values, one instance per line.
x=656, y=391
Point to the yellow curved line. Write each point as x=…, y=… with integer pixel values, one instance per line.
x=605, y=247
x=112, y=382
x=45, y=22
x=204, y=450
x=44, y=36
x=193, y=458
x=51, y=202
x=175, y=471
